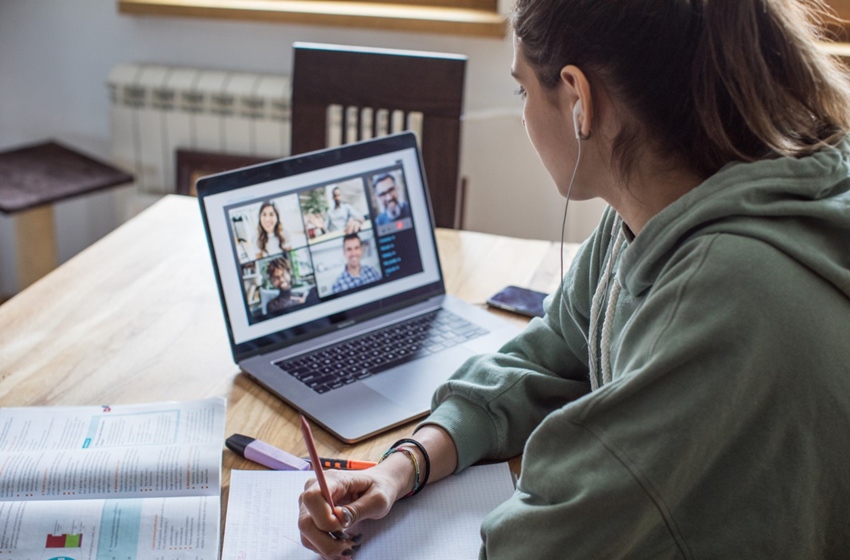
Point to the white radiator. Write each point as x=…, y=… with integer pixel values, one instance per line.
x=156, y=110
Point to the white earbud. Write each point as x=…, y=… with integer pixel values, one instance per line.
x=577, y=111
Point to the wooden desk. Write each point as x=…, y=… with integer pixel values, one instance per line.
x=136, y=318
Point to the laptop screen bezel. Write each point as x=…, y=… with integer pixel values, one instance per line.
x=296, y=165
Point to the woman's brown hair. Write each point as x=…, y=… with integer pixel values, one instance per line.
x=711, y=81
x=262, y=236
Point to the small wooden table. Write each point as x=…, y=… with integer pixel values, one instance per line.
x=136, y=318
x=32, y=178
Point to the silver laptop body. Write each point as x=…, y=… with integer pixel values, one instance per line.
x=348, y=251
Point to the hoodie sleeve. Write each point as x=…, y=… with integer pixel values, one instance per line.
x=702, y=446
x=494, y=401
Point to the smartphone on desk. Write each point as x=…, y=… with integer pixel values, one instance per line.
x=522, y=301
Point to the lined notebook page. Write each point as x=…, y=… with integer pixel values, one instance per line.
x=443, y=521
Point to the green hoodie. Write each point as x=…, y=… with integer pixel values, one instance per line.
x=724, y=430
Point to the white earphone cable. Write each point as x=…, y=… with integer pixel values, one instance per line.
x=595, y=312
x=566, y=207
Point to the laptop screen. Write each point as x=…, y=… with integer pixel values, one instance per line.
x=305, y=245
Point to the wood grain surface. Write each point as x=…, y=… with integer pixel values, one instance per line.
x=136, y=318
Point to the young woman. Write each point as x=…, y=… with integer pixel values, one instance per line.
x=688, y=393
x=270, y=238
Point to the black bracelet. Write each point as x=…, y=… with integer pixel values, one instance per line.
x=424, y=455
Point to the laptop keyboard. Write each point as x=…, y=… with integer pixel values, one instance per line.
x=377, y=351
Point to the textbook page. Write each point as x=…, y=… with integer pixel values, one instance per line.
x=136, y=482
x=119, y=451
x=444, y=521
x=130, y=529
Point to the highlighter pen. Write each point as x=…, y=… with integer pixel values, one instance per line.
x=265, y=454
x=344, y=464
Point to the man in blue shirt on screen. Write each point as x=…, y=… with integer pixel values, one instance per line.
x=355, y=274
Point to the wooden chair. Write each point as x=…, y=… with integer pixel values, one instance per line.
x=372, y=92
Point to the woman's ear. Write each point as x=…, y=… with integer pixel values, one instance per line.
x=579, y=95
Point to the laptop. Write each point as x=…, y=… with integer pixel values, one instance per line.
x=331, y=286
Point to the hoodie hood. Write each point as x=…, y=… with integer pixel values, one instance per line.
x=800, y=206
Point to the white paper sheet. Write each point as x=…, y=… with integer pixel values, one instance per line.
x=442, y=522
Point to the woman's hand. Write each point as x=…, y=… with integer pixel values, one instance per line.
x=368, y=494
x=358, y=495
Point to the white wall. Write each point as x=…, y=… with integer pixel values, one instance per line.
x=55, y=56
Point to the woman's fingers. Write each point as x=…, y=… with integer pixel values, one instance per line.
x=323, y=530
x=313, y=503
x=329, y=545
x=359, y=495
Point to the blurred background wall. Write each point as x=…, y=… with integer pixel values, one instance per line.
x=56, y=56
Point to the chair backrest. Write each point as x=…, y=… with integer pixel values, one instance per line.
x=371, y=92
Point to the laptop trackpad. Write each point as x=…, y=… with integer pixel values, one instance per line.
x=413, y=384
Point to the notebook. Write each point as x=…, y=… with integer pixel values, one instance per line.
x=331, y=285
x=444, y=521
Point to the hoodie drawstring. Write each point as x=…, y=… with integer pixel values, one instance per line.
x=608, y=316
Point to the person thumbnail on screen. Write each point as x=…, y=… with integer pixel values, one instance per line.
x=342, y=216
x=355, y=273
x=394, y=209
x=265, y=228
x=283, y=282
x=346, y=262
x=270, y=238
x=334, y=210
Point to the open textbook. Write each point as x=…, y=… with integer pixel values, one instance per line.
x=134, y=482
x=444, y=521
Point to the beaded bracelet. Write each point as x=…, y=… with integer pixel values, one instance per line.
x=421, y=448
x=412, y=456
